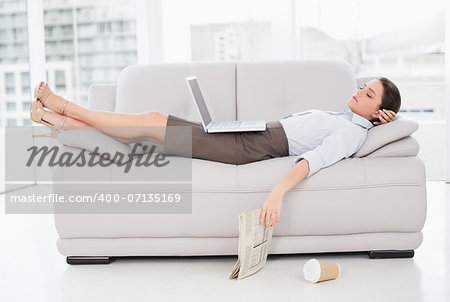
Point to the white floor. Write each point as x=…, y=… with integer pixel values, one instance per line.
x=31, y=269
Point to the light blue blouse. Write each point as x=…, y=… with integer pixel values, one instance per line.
x=324, y=137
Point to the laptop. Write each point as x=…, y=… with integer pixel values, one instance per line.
x=211, y=126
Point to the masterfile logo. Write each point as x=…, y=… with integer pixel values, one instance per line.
x=79, y=172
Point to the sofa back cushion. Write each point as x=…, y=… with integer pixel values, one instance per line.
x=162, y=87
x=271, y=90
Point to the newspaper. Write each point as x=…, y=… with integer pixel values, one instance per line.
x=254, y=243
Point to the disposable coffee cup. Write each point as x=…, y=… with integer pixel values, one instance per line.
x=316, y=271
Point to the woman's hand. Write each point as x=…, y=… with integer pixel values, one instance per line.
x=271, y=209
x=385, y=116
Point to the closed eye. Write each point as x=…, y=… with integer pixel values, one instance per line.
x=366, y=93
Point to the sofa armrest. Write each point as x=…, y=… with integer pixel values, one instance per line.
x=407, y=146
x=102, y=97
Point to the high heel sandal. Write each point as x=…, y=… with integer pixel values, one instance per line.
x=37, y=111
x=55, y=130
x=44, y=96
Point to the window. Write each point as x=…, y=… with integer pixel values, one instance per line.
x=99, y=24
x=10, y=106
x=193, y=36
x=9, y=83
x=14, y=65
x=25, y=82
x=11, y=122
x=406, y=48
x=60, y=80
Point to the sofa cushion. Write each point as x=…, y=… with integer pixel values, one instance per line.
x=271, y=90
x=162, y=87
x=261, y=176
x=384, y=134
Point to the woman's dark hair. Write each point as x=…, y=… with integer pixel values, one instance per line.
x=391, y=99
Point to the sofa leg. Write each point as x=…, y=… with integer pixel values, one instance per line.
x=88, y=260
x=383, y=254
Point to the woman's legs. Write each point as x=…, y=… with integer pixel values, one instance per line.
x=56, y=119
x=150, y=124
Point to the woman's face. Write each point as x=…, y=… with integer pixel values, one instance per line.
x=367, y=100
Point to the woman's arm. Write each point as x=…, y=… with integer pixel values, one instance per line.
x=273, y=203
x=272, y=206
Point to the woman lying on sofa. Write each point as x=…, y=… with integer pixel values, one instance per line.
x=319, y=138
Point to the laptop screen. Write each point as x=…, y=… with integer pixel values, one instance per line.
x=195, y=89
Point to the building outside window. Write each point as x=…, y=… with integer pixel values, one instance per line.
x=14, y=61
x=82, y=36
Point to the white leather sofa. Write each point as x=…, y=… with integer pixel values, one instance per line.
x=373, y=202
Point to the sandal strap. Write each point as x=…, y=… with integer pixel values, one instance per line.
x=45, y=95
x=64, y=107
x=63, y=121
